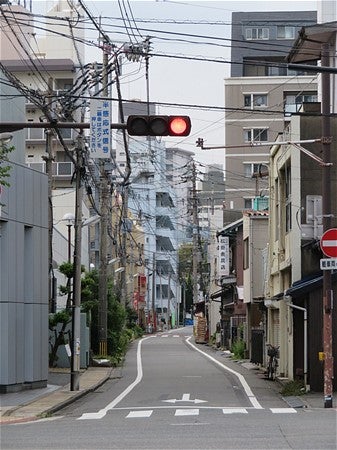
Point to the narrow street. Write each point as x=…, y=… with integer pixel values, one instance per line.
x=174, y=394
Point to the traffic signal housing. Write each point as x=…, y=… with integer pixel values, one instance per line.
x=158, y=125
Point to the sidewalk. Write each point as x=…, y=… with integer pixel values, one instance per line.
x=25, y=406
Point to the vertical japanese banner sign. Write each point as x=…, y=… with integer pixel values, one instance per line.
x=100, y=131
x=223, y=256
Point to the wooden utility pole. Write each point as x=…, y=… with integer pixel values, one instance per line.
x=154, y=283
x=49, y=171
x=195, y=236
x=327, y=214
x=169, y=301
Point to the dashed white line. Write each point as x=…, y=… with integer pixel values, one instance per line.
x=283, y=410
x=187, y=412
x=235, y=411
x=139, y=414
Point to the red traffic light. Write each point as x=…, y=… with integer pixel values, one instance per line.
x=179, y=125
x=158, y=125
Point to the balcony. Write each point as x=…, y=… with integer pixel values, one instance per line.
x=62, y=170
x=37, y=135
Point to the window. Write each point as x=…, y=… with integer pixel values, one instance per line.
x=250, y=168
x=256, y=135
x=285, y=198
x=35, y=133
x=293, y=102
x=255, y=34
x=255, y=100
x=248, y=203
x=284, y=32
x=63, y=84
x=66, y=133
x=288, y=197
x=246, y=254
x=277, y=209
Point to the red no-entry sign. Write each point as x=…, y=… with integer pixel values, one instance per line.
x=329, y=243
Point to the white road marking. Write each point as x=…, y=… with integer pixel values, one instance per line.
x=100, y=414
x=235, y=411
x=283, y=410
x=253, y=400
x=185, y=398
x=187, y=412
x=138, y=414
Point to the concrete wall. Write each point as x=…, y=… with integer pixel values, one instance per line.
x=24, y=281
x=23, y=266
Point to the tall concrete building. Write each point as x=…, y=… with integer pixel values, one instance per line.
x=152, y=201
x=260, y=95
x=23, y=262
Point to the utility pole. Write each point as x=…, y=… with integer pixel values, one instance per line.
x=76, y=310
x=326, y=207
x=169, y=301
x=103, y=249
x=125, y=200
x=195, y=236
x=48, y=158
x=154, y=281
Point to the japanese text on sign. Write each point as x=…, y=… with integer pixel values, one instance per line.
x=100, y=132
x=223, y=256
x=328, y=264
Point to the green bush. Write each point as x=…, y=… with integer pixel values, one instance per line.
x=294, y=387
x=238, y=349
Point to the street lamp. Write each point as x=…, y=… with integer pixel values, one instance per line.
x=5, y=138
x=69, y=218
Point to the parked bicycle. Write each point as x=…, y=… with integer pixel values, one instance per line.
x=273, y=353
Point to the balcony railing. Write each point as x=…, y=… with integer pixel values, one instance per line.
x=59, y=169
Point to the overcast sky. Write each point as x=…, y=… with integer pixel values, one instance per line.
x=181, y=81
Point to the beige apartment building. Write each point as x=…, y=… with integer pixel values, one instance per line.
x=260, y=95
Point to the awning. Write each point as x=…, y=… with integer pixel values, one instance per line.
x=216, y=294
x=229, y=229
x=308, y=45
x=305, y=285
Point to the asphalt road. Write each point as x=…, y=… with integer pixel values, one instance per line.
x=174, y=394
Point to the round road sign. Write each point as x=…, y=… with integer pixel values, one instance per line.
x=329, y=243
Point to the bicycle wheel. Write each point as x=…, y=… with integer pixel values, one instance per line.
x=273, y=369
x=270, y=370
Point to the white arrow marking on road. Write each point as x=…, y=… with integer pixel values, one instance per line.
x=185, y=398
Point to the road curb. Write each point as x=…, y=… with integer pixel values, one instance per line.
x=70, y=397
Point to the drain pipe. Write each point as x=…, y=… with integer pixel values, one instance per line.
x=305, y=338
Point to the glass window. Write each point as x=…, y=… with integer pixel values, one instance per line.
x=256, y=135
x=255, y=34
x=294, y=102
x=66, y=133
x=248, y=203
x=255, y=100
x=284, y=32
x=250, y=168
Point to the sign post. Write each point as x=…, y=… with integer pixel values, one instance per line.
x=329, y=248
